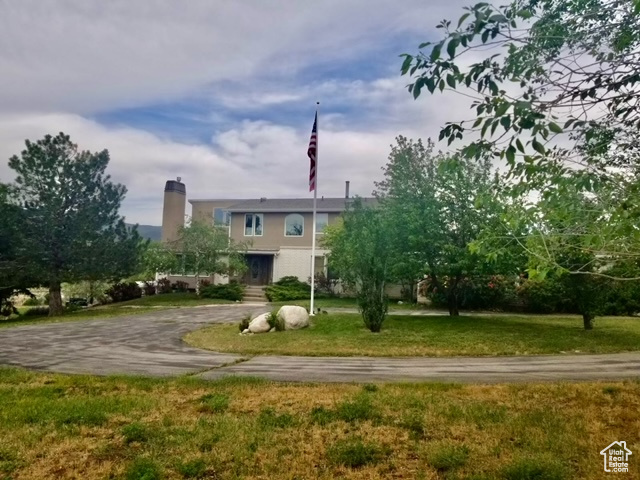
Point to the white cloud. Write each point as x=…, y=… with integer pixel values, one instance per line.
x=71, y=59
x=83, y=57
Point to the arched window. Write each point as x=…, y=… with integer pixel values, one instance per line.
x=294, y=225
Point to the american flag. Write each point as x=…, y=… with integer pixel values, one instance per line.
x=312, y=152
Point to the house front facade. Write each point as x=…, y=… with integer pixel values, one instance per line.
x=278, y=232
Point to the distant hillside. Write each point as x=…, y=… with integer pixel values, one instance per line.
x=151, y=232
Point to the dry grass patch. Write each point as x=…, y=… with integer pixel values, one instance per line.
x=257, y=429
x=433, y=336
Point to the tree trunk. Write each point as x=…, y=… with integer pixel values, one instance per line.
x=587, y=319
x=453, y=307
x=452, y=299
x=55, y=299
x=197, y=284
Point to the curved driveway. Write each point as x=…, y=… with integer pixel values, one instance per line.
x=150, y=344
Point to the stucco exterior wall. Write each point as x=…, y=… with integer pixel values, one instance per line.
x=202, y=210
x=295, y=262
x=273, y=236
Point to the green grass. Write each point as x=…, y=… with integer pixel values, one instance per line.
x=186, y=299
x=338, y=302
x=345, y=335
x=59, y=426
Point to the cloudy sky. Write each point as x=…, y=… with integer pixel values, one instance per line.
x=219, y=92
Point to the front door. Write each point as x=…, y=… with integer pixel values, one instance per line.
x=259, y=269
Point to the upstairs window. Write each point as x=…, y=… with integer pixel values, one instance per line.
x=322, y=220
x=221, y=217
x=253, y=224
x=294, y=225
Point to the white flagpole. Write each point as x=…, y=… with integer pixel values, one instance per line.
x=315, y=200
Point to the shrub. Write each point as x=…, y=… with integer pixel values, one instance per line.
x=164, y=285
x=103, y=299
x=291, y=281
x=479, y=292
x=149, y=288
x=73, y=307
x=354, y=453
x=180, y=286
x=36, y=312
x=325, y=285
x=244, y=323
x=373, y=308
x=32, y=302
x=77, y=302
x=287, y=289
x=121, y=292
x=275, y=321
x=621, y=297
x=224, y=291
x=546, y=296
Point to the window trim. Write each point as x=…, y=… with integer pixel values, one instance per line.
x=285, y=225
x=253, y=224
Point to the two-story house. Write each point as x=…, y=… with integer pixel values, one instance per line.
x=278, y=231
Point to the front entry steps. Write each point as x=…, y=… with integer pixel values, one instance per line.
x=254, y=294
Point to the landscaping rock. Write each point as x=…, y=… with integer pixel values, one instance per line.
x=246, y=330
x=294, y=317
x=260, y=324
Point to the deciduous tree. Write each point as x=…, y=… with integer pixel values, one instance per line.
x=437, y=205
x=361, y=255
x=205, y=249
x=555, y=96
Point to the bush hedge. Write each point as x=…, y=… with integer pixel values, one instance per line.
x=149, y=288
x=224, y=291
x=32, y=302
x=124, y=291
x=286, y=289
x=551, y=295
x=180, y=286
x=164, y=285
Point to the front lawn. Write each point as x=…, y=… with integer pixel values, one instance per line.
x=345, y=302
x=57, y=426
x=176, y=299
x=437, y=336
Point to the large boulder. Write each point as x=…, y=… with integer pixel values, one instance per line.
x=294, y=317
x=260, y=324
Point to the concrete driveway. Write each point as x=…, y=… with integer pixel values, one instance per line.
x=150, y=344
